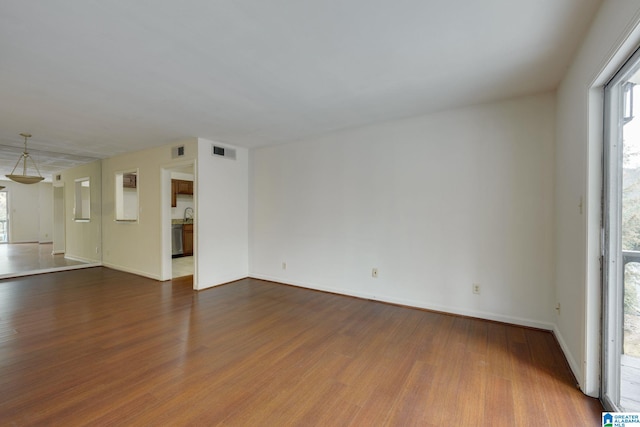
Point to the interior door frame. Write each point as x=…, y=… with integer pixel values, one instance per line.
x=165, y=218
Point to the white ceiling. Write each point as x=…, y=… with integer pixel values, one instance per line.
x=95, y=78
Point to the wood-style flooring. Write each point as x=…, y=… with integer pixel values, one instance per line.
x=101, y=347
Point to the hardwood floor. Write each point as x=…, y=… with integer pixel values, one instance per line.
x=101, y=347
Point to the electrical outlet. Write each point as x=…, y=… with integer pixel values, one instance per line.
x=284, y=265
x=374, y=273
x=476, y=288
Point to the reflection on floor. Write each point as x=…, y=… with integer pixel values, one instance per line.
x=182, y=266
x=630, y=383
x=23, y=259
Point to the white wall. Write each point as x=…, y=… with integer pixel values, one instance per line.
x=83, y=240
x=59, y=218
x=24, y=218
x=130, y=206
x=45, y=212
x=221, y=216
x=183, y=201
x=30, y=212
x=436, y=203
x=611, y=40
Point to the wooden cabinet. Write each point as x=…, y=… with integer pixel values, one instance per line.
x=129, y=180
x=187, y=239
x=184, y=187
x=179, y=186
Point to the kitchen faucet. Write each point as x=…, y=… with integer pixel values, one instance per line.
x=188, y=214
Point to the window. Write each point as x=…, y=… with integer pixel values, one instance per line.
x=126, y=186
x=82, y=200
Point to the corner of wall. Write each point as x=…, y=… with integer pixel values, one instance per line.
x=575, y=367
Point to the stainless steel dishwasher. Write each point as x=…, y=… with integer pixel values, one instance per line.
x=176, y=240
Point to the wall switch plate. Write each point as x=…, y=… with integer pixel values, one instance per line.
x=374, y=273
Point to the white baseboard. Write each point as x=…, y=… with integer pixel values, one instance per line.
x=81, y=259
x=573, y=364
x=133, y=271
x=410, y=303
x=219, y=282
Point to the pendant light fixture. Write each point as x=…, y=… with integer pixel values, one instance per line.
x=24, y=178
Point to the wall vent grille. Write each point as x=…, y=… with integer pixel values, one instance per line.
x=177, y=152
x=227, y=153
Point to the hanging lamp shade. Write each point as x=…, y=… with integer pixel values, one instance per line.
x=24, y=178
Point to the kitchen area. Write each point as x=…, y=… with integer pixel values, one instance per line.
x=182, y=216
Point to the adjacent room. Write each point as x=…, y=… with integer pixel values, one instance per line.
x=318, y=213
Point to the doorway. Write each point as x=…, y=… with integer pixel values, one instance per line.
x=183, y=216
x=621, y=266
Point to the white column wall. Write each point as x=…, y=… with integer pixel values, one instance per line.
x=221, y=216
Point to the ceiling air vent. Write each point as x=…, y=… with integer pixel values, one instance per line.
x=58, y=177
x=228, y=153
x=177, y=152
